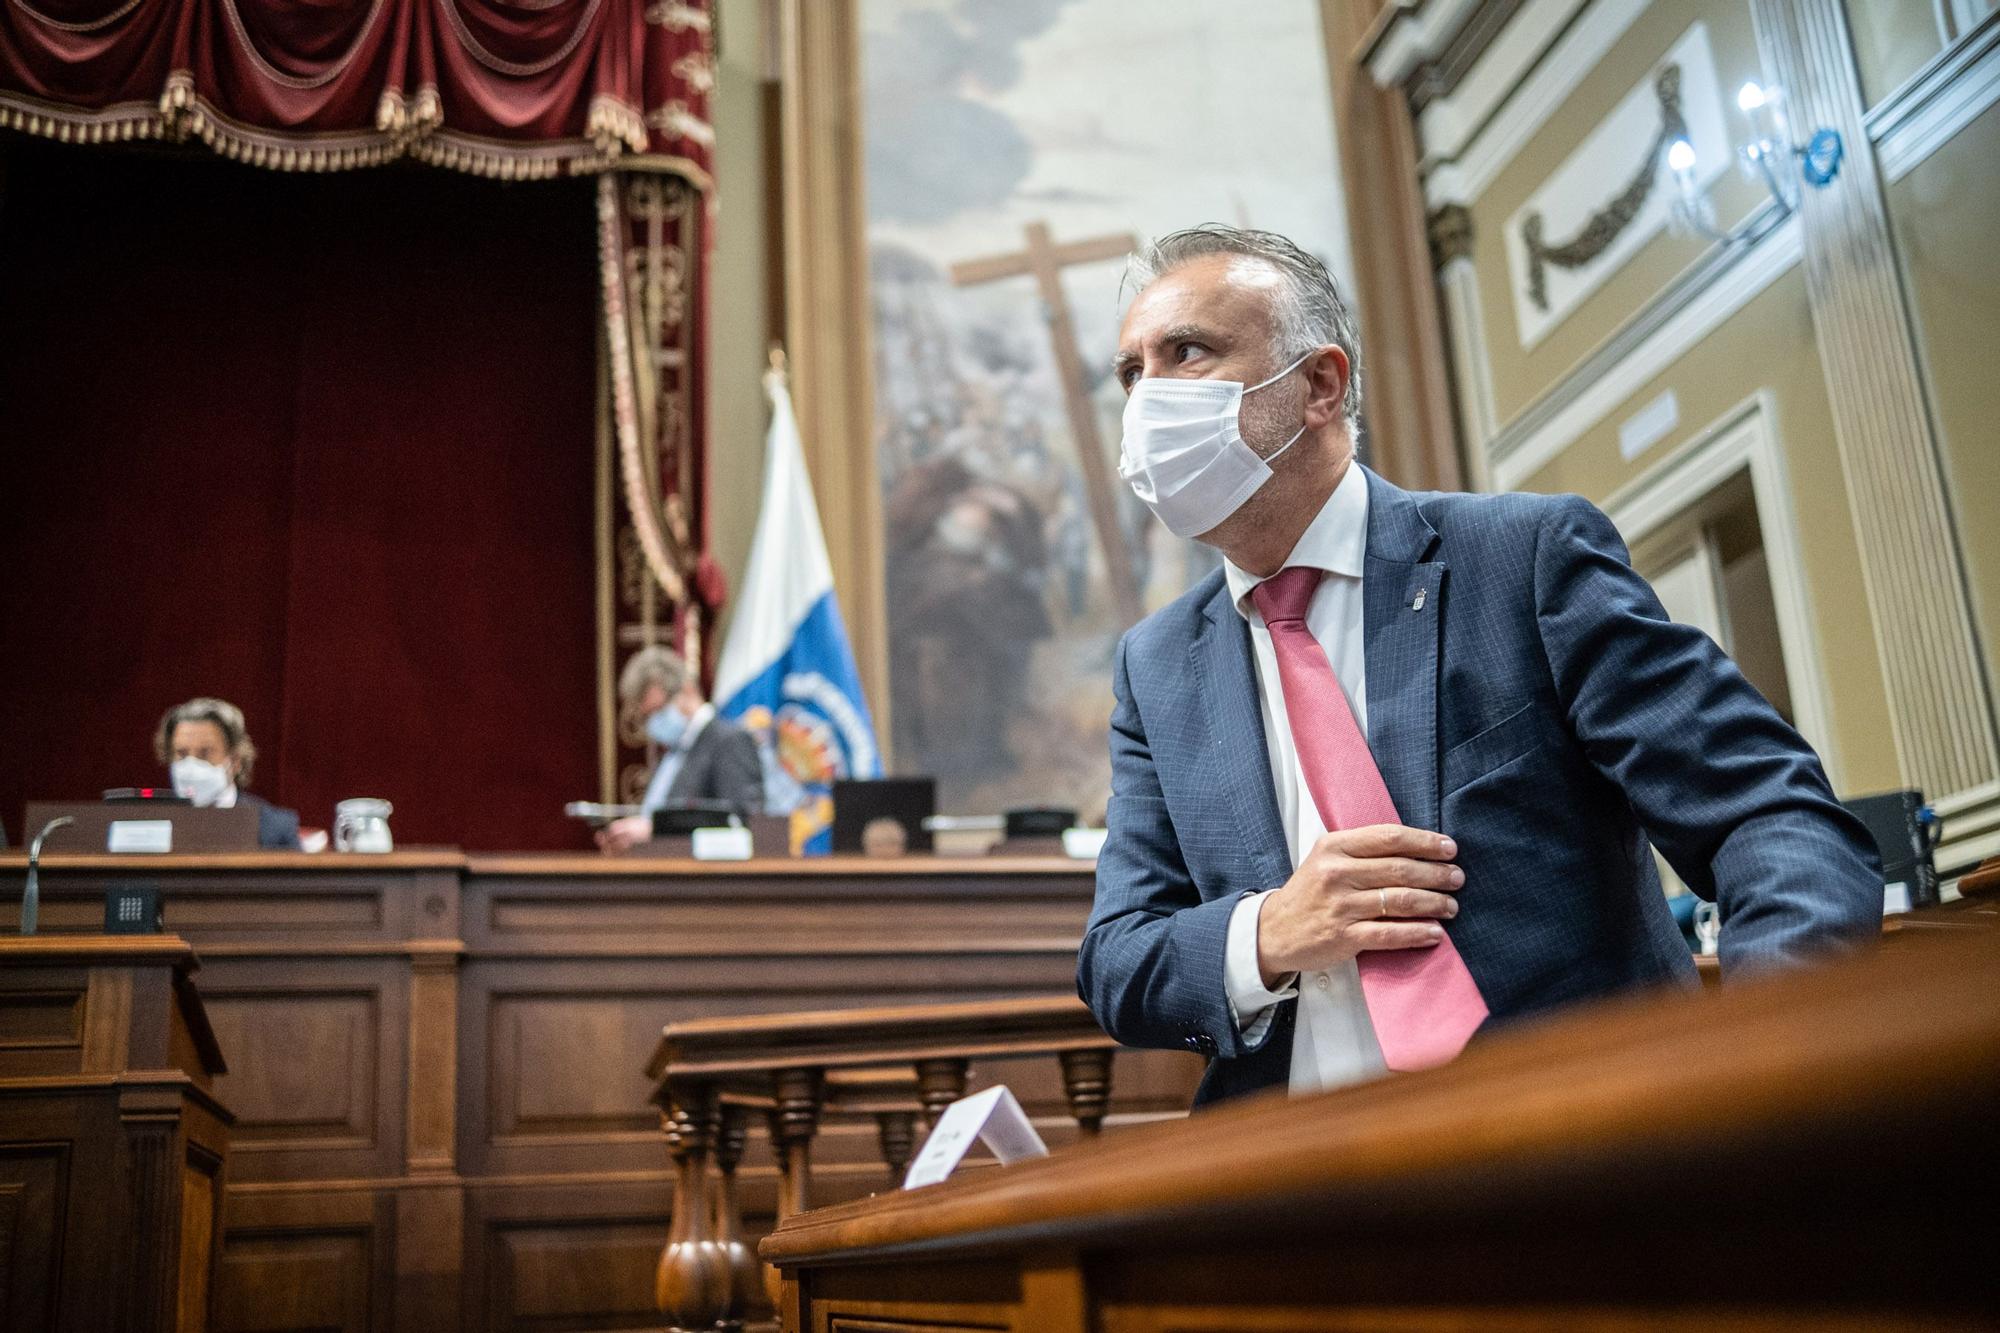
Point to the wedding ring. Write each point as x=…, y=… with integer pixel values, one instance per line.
x=1385, y=901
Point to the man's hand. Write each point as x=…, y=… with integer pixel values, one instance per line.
x=1380, y=887
x=622, y=835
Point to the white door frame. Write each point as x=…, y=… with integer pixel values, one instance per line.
x=1745, y=439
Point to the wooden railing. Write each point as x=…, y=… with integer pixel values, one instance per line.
x=898, y=1067
x=1806, y=1151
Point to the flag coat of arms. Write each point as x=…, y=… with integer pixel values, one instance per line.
x=787, y=673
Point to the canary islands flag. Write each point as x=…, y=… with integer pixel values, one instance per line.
x=787, y=673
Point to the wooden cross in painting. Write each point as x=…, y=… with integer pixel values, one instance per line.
x=1044, y=261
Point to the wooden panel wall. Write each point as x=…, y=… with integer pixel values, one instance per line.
x=437, y=1065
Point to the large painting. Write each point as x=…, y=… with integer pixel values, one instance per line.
x=1016, y=152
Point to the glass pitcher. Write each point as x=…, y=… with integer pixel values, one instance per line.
x=361, y=824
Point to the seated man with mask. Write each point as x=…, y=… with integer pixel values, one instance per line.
x=207, y=750
x=704, y=757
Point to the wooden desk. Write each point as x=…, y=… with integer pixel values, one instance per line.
x=438, y=1061
x=112, y=1142
x=1810, y=1152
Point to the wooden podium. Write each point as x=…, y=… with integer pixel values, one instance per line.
x=1811, y=1151
x=112, y=1144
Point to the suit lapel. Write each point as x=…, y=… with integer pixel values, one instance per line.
x=1402, y=621
x=1225, y=698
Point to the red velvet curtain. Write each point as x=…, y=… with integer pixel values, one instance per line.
x=318, y=445
x=512, y=88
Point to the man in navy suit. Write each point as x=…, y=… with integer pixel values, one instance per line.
x=1390, y=776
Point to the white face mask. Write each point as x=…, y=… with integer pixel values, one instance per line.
x=198, y=780
x=1184, y=454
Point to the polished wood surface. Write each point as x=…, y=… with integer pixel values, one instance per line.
x=112, y=1143
x=1779, y=1154
x=438, y=1060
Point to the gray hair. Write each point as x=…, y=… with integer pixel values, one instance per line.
x=652, y=665
x=226, y=717
x=1308, y=309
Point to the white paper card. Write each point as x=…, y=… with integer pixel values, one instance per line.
x=141, y=835
x=1083, y=844
x=722, y=844
x=1895, y=898
x=994, y=1118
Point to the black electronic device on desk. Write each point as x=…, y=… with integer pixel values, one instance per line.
x=133, y=909
x=1906, y=834
x=682, y=818
x=859, y=802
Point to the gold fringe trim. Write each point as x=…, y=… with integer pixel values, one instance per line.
x=674, y=120
x=676, y=17
x=613, y=127
x=404, y=127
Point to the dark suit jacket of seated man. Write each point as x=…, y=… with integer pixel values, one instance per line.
x=1525, y=695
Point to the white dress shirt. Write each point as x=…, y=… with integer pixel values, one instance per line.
x=1333, y=1042
x=671, y=761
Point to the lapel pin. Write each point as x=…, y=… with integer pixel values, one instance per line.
x=1418, y=605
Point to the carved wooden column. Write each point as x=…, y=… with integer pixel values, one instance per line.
x=747, y=1298
x=798, y=1094
x=939, y=1084
x=1086, y=1079
x=692, y=1285
x=896, y=1131
x=1940, y=707
x=794, y=1121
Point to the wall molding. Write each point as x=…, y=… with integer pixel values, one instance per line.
x=1450, y=120
x=1971, y=828
x=1942, y=99
x=1746, y=439
x=1472, y=370
x=1529, y=106
x=1725, y=279
x=1960, y=86
x=1411, y=34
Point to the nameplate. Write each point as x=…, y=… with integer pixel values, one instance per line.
x=1895, y=898
x=722, y=844
x=992, y=1117
x=140, y=836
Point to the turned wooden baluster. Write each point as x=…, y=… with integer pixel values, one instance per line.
x=897, y=1133
x=691, y=1286
x=747, y=1298
x=798, y=1095
x=1086, y=1079
x=939, y=1084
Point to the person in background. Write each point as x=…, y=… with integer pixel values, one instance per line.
x=207, y=749
x=703, y=757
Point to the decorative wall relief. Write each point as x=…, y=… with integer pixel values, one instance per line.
x=1569, y=236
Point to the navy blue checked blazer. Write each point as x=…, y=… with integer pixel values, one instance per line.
x=1537, y=705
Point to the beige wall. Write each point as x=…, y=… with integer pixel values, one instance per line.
x=738, y=333
x=1768, y=346
x=1519, y=377
x=1946, y=216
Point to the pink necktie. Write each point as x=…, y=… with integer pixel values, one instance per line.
x=1423, y=1002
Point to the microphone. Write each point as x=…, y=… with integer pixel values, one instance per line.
x=31, y=896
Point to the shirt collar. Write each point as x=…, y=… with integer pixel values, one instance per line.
x=1335, y=541
x=226, y=801
x=696, y=724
